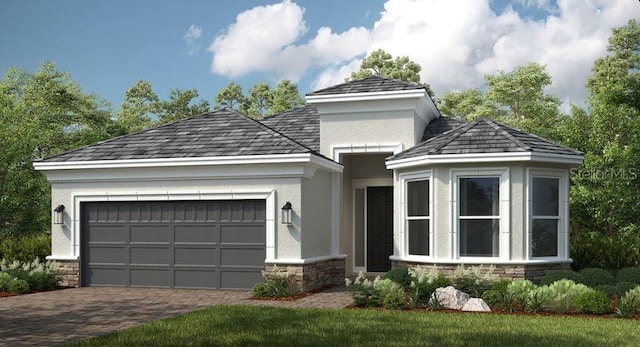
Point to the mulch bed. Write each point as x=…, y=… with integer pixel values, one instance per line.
x=293, y=297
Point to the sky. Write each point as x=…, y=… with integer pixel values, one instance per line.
x=108, y=45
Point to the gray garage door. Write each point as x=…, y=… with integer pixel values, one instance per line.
x=184, y=244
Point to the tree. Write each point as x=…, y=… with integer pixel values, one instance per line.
x=41, y=114
x=230, y=97
x=259, y=101
x=381, y=63
x=285, y=97
x=139, y=108
x=180, y=105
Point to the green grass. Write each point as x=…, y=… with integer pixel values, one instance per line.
x=267, y=326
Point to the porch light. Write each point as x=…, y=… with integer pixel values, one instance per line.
x=286, y=214
x=58, y=215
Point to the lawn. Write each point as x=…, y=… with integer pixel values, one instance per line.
x=267, y=326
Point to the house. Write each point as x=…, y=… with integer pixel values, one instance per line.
x=365, y=177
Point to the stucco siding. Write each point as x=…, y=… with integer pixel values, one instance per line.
x=316, y=208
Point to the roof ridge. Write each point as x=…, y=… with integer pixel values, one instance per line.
x=498, y=126
x=260, y=124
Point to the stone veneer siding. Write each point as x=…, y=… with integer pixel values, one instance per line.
x=313, y=276
x=69, y=271
x=532, y=272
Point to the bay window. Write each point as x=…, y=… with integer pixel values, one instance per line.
x=545, y=216
x=479, y=216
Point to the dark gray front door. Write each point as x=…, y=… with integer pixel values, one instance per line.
x=173, y=244
x=379, y=228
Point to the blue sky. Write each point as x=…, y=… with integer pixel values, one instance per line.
x=108, y=45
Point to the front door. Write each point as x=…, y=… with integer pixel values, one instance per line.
x=379, y=228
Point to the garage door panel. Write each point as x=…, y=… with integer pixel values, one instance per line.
x=242, y=234
x=149, y=277
x=241, y=256
x=151, y=233
x=174, y=244
x=107, y=276
x=100, y=254
x=150, y=255
x=195, y=234
x=196, y=256
x=108, y=233
x=196, y=278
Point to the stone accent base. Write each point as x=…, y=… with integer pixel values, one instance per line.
x=532, y=272
x=69, y=271
x=308, y=277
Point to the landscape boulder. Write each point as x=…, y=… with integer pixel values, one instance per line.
x=451, y=298
x=476, y=305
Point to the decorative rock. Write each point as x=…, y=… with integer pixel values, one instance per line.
x=451, y=298
x=476, y=305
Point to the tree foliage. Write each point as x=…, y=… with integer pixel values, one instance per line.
x=381, y=63
x=261, y=100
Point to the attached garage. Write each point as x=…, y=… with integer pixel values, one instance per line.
x=173, y=244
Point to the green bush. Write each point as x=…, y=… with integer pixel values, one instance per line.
x=556, y=275
x=593, y=301
x=624, y=287
x=400, y=276
x=520, y=291
x=500, y=299
x=39, y=275
x=5, y=279
x=609, y=290
x=628, y=274
x=559, y=297
x=26, y=248
x=592, y=249
x=18, y=286
x=277, y=284
x=472, y=280
x=392, y=293
x=629, y=303
x=363, y=292
x=594, y=276
x=424, y=284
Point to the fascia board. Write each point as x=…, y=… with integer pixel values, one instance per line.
x=368, y=96
x=485, y=158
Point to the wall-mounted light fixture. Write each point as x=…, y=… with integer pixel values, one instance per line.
x=286, y=214
x=58, y=215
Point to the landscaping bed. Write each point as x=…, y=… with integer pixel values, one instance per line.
x=17, y=278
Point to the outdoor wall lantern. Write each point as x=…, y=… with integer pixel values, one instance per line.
x=286, y=214
x=58, y=215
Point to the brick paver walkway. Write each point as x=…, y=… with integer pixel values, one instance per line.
x=57, y=317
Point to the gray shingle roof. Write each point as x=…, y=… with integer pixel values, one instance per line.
x=368, y=85
x=440, y=125
x=301, y=124
x=218, y=133
x=483, y=136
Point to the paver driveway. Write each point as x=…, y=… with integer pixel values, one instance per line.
x=57, y=317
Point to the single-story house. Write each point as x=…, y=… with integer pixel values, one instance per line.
x=367, y=176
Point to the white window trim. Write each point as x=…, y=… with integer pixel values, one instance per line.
x=268, y=195
x=403, y=233
x=563, y=211
x=504, y=252
x=363, y=183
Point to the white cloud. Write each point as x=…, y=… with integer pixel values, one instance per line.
x=455, y=42
x=191, y=37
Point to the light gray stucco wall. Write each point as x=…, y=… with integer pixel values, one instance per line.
x=316, y=209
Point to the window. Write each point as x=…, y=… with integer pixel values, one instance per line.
x=417, y=216
x=545, y=216
x=479, y=216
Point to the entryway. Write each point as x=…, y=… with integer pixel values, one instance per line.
x=379, y=228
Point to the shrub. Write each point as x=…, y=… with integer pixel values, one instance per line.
x=276, y=284
x=520, y=291
x=400, y=276
x=592, y=249
x=39, y=275
x=629, y=303
x=424, y=284
x=559, y=297
x=628, y=274
x=593, y=301
x=26, y=248
x=500, y=299
x=594, y=276
x=472, y=281
x=18, y=286
x=609, y=290
x=362, y=290
x=5, y=279
x=555, y=275
x=624, y=287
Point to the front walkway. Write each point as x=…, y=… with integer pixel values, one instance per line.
x=57, y=317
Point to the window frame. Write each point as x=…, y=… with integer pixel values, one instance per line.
x=563, y=212
x=405, y=179
x=504, y=217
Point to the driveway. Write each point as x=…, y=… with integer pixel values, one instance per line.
x=57, y=317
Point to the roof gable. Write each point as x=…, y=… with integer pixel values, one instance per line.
x=483, y=136
x=218, y=133
x=368, y=85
